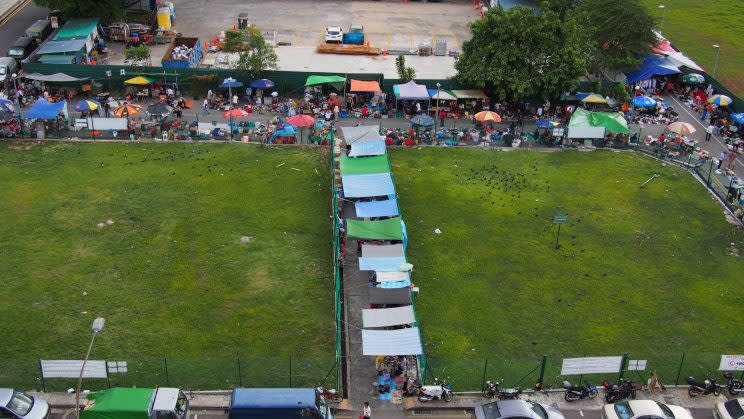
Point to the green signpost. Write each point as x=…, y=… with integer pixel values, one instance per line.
x=559, y=219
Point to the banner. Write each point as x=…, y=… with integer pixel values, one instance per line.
x=732, y=363
x=591, y=365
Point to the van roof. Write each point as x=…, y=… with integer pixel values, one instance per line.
x=274, y=398
x=38, y=26
x=7, y=61
x=22, y=41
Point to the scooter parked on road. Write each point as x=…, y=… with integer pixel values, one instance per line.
x=329, y=394
x=696, y=388
x=440, y=390
x=579, y=392
x=492, y=389
x=616, y=392
x=735, y=385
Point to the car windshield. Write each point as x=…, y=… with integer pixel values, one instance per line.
x=15, y=51
x=668, y=413
x=733, y=407
x=491, y=411
x=332, y=32
x=538, y=409
x=623, y=410
x=20, y=404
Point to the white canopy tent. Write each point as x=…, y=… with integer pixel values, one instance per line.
x=386, y=317
x=391, y=342
x=361, y=133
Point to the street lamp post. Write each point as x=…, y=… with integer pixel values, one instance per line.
x=663, y=15
x=97, y=327
x=436, y=116
x=17, y=101
x=229, y=104
x=718, y=54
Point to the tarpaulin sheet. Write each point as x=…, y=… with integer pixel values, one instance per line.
x=44, y=109
x=366, y=186
x=610, y=121
x=361, y=133
x=119, y=403
x=62, y=47
x=469, y=94
x=681, y=60
x=364, y=165
x=313, y=80
x=389, y=229
x=364, y=86
x=56, y=77
x=389, y=296
x=441, y=94
x=386, y=208
x=391, y=342
x=653, y=65
x=386, y=317
x=367, y=148
x=392, y=276
x=381, y=264
x=396, y=284
x=382, y=251
x=411, y=91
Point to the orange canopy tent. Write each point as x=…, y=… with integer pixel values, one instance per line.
x=364, y=86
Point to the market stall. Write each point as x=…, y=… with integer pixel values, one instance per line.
x=389, y=229
x=376, y=209
x=386, y=317
x=385, y=342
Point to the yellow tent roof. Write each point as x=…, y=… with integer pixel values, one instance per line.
x=139, y=80
x=594, y=98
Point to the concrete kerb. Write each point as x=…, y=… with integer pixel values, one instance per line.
x=12, y=10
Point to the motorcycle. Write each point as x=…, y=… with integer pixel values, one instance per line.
x=579, y=392
x=615, y=392
x=329, y=394
x=492, y=389
x=435, y=392
x=735, y=385
x=696, y=388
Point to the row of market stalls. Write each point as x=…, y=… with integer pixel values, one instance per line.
x=389, y=328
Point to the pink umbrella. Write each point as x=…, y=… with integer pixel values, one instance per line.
x=301, y=120
x=235, y=113
x=682, y=128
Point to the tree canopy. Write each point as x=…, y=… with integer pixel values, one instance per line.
x=519, y=53
x=104, y=9
x=259, y=56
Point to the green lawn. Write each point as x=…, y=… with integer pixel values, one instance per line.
x=647, y=271
x=170, y=275
x=695, y=25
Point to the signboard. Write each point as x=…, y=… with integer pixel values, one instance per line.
x=71, y=369
x=637, y=365
x=560, y=219
x=732, y=363
x=558, y=132
x=117, y=366
x=81, y=123
x=591, y=365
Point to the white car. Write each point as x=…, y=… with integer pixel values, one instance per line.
x=732, y=409
x=646, y=409
x=334, y=34
x=16, y=404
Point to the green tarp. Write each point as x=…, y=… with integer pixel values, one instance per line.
x=119, y=403
x=610, y=121
x=389, y=229
x=76, y=29
x=313, y=80
x=364, y=165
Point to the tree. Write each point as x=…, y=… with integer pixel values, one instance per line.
x=234, y=40
x=260, y=56
x=621, y=32
x=518, y=53
x=405, y=74
x=138, y=53
x=104, y=9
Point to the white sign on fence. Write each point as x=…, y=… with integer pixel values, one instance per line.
x=107, y=123
x=732, y=363
x=117, y=366
x=71, y=369
x=591, y=365
x=637, y=365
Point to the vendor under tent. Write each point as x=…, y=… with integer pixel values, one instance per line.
x=391, y=296
x=441, y=94
x=367, y=186
x=391, y=342
x=44, y=109
x=653, y=65
x=585, y=124
x=364, y=165
x=361, y=86
x=53, y=78
x=387, y=317
x=469, y=94
x=410, y=91
x=390, y=229
x=383, y=251
x=369, y=209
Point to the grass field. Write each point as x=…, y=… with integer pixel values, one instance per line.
x=170, y=275
x=694, y=26
x=638, y=270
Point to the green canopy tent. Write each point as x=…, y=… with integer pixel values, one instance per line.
x=611, y=121
x=315, y=80
x=364, y=165
x=585, y=124
x=389, y=229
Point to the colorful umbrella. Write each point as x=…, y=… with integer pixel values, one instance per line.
x=235, y=113
x=159, y=109
x=139, y=80
x=422, y=120
x=487, y=116
x=6, y=106
x=546, y=123
x=682, y=128
x=301, y=120
x=262, y=84
x=738, y=117
x=594, y=98
x=720, y=100
x=129, y=109
x=693, y=78
x=230, y=83
x=87, y=105
x=643, y=102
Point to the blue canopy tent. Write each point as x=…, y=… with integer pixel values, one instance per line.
x=44, y=109
x=386, y=208
x=644, y=102
x=653, y=65
x=368, y=185
x=286, y=131
x=262, y=84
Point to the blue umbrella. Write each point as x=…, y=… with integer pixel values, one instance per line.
x=86, y=105
x=6, y=106
x=230, y=83
x=738, y=117
x=422, y=120
x=262, y=84
x=546, y=123
x=644, y=102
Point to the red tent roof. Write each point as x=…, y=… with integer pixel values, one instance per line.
x=364, y=86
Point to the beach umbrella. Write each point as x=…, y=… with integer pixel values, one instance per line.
x=139, y=81
x=229, y=83
x=129, y=109
x=487, y=116
x=6, y=106
x=693, y=78
x=644, y=102
x=720, y=100
x=159, y=109
x=738, y=117
x=594, y=98
x=235, y=113
x=682, y=128
x=262, y=84
x=87, y=105
x=422, y=120
x=301, y=120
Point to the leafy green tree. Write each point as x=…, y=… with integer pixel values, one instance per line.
x=621, y=32
x=260, y=56
x=405, y=74
x=140, y=52
x=234, y=40
x=519, y=53
x=104, y=9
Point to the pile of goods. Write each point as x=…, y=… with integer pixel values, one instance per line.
x=181, y=52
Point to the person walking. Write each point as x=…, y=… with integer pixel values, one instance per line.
x=366, y=411
x=206, y=106
x=709, y=132
x=731, y=159
x=721, y=157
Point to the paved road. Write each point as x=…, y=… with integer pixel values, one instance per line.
x=16, y=26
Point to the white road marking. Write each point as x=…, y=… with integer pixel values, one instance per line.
x=581, y=412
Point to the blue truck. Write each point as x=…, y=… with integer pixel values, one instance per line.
x=355, y=35
x=278, y=403
x=183, y=53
